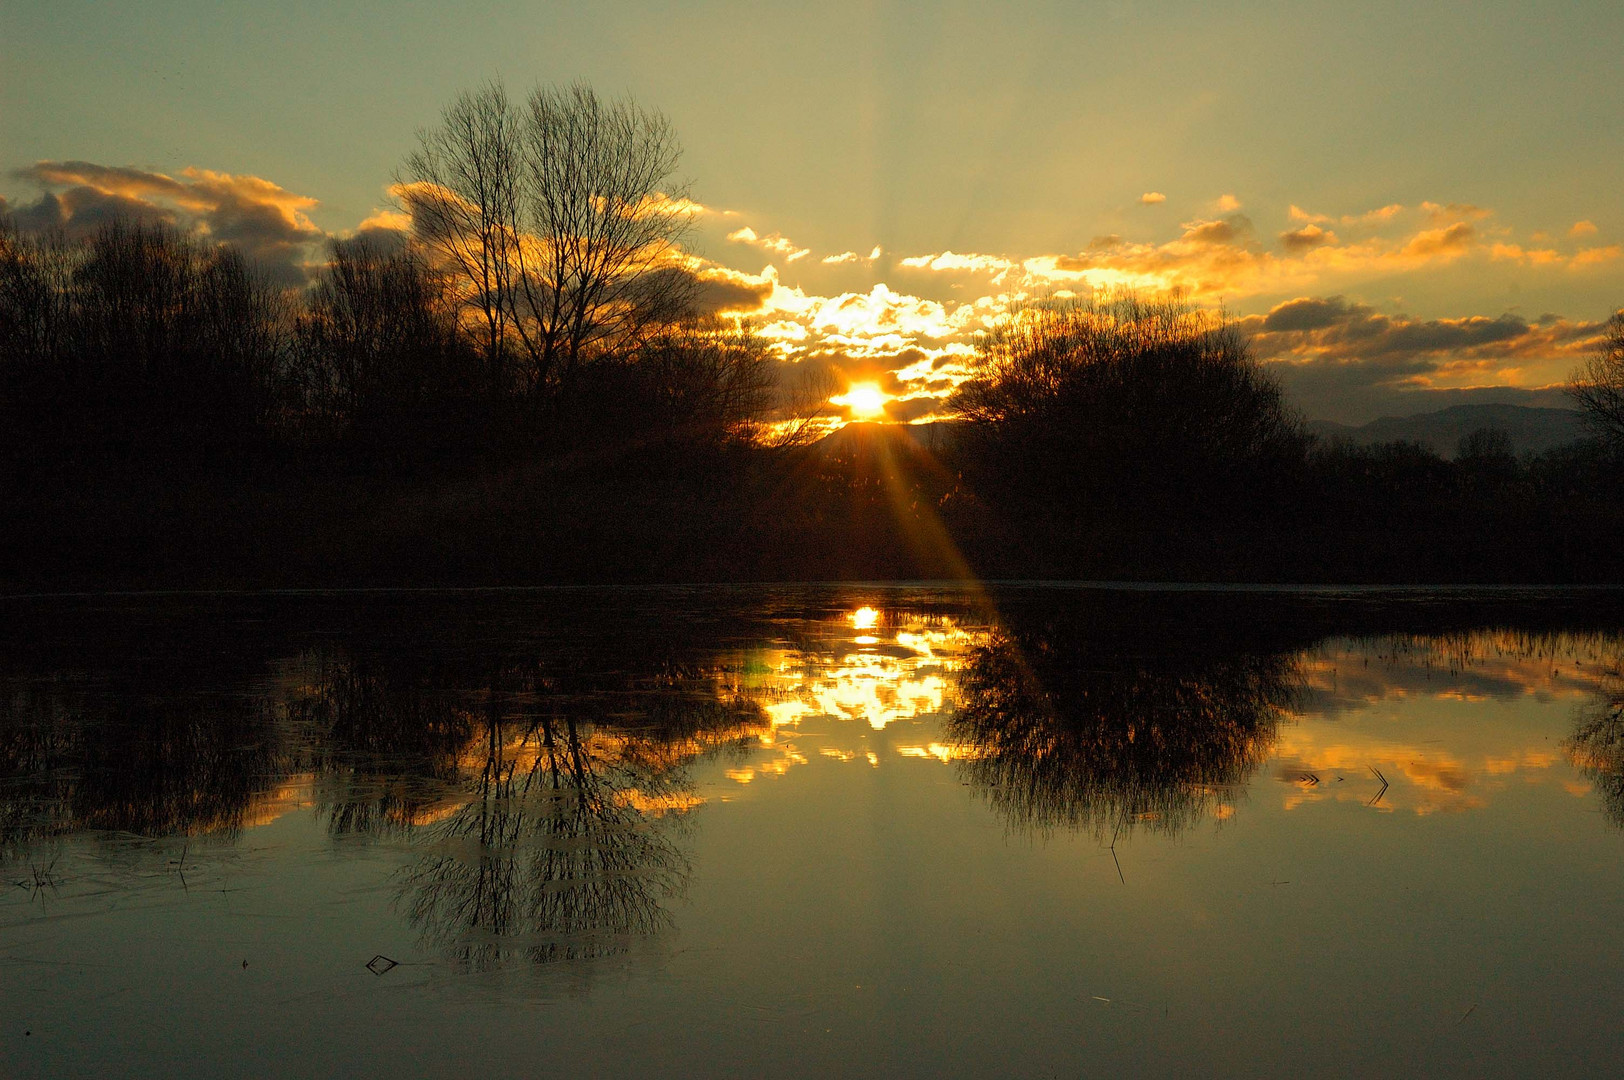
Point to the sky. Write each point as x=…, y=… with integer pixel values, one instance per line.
x=1408, y=206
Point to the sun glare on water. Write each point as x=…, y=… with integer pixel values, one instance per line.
x=865, y=400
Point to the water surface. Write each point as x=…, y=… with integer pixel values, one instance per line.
x=813, y=831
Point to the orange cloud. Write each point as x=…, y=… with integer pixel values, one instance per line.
x=1309, y=236
x=268, y=222
x=773, y=242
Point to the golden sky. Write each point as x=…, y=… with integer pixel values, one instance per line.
x=1409, y=208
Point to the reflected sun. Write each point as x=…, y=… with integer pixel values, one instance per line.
x=864, y=618
x=865, y=400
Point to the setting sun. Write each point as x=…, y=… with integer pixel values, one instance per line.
x=865, y=400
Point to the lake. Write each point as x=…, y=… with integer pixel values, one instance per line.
x=1024, y=831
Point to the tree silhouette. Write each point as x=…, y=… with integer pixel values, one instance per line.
x=1061, y=727
x=562, y=220
x=1598, y=384
x=380, y=349
x=1118, y=399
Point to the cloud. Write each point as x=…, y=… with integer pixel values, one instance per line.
x=1596, y=256
x=954, y=262
x=1448, y=242
x=1151, y=198
x=1450, y=213
x=772, y=242
x=1529, y=256
x=729, y=292
x=1343, y=360
x=1221, y=231
x=1379, y=216
x=851, y=257
x=387, y=220
x=267, y=222
x=1582, y=228
x=1309, y=236
x=1228, y=204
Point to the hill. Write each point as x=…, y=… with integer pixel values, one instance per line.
x=1532, y=430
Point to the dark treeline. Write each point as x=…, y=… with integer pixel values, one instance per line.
x=136, y=344
x=532, y=386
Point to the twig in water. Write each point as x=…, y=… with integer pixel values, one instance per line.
x=1383, y=791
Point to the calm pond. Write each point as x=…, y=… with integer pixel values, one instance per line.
x=815, y=831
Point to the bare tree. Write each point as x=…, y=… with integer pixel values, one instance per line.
x=379, y=337
x=561, y=218
x=804, y=406
x=1598, y=384
x=36, y=276
x=463, y=191
x=708, y=382
x=606, y=218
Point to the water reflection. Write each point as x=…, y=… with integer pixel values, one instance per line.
x=140, y=759
x=1069, y=726
x=1597, y=745
x=215, y=829
x=545, y=798
x=542, y=782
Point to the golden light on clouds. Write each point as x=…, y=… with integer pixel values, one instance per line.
x=910, y=321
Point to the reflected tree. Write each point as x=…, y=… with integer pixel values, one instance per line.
x=1596, y=747
x=548, y=801
x=1062, y=730
x=385, y=735
x=553, y=857
x=134, y=760
x=564, y=849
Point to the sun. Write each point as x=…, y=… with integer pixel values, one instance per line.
x=865, y=400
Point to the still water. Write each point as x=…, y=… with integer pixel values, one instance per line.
x=755, y=831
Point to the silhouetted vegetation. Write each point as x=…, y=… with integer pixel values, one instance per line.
x=1598, y=385
x=528, y=387
x=1079, y=405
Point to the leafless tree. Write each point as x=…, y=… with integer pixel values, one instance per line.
x=607, y=217
x=804, y=404
x=1598, y=384
x=709, y=382
x=561, y=217
x=463, y=191
x=36, y=276
x=379, y=332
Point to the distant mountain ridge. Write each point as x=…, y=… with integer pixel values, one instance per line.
x=1532, y=430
